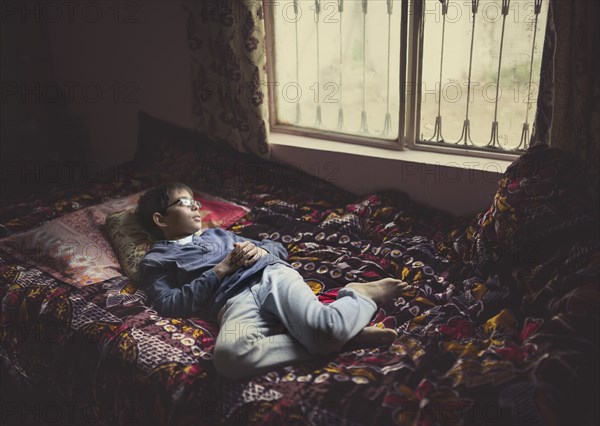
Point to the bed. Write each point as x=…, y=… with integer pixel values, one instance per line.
x=499, y=326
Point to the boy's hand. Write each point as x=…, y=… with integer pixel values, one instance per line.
x=246, y=253
x=243, y=254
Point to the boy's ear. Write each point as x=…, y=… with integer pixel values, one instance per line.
x=159, y=220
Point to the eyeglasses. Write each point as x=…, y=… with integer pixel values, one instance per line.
x=186, y=202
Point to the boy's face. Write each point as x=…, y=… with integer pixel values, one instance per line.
x=178, y=221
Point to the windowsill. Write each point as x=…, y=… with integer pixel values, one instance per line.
x=412, y=156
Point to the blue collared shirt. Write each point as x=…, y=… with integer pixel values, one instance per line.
x=179, y=278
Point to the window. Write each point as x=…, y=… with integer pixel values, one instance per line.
x=423, y=74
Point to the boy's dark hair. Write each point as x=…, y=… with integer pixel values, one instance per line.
x=156, y=200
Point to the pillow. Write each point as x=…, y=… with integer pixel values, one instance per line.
x=159, y=141
x=162, y=142
x=188, y=156
x=131, y=240
x=72, y=248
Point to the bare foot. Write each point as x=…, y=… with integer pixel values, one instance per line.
x=371, y=337
x=380, y=291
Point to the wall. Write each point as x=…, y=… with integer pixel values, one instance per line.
x=437, y=182
x=113, y=58
x=75, y=74
x=24, y=121
x=136, y=55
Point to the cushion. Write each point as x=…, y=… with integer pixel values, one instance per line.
x=189, y=156
x=542, y=202
x=159, y=141
x=131, y=240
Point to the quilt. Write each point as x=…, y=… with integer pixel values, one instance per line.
x=499, y=324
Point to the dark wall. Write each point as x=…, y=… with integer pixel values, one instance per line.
x=75, y=74
x=35, y=125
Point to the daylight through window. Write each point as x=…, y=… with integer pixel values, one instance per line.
x=459, y=74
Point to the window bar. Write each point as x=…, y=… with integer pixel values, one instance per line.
x=466, y=131
x=494, y=139
x=317, y=12
x=298, y=114
x=340, y=125
x=525, y=132
x=388, y=118
x=363, y=116
x=437, y=132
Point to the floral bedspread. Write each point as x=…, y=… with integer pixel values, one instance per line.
x=482, y=339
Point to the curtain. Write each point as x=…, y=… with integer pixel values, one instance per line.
x=230, y=102
x=568, y=110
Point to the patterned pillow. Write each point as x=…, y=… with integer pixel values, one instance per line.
x=542, y=202
x=131, y=240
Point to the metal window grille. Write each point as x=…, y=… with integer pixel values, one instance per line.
x=391, y=72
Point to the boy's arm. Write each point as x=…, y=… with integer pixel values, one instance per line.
x=184, y=301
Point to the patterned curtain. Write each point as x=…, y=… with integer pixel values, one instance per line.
x=227, y=43
x=568, y=115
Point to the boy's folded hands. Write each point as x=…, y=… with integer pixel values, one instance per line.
x=243, y=254
x=246, y=253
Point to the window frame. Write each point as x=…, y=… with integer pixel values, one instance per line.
x=411, y=46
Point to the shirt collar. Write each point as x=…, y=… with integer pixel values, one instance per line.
x=184, y=240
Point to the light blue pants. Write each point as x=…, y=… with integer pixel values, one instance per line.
x=279, y=321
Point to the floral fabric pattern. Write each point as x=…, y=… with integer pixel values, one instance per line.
x=227, y=43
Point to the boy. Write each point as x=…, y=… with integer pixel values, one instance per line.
x=269, y=317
